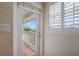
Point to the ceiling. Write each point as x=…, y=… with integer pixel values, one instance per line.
x=26, y=11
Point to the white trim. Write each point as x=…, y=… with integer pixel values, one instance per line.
x=14, y=30
x=34, y=4
x=17, y=37
x=29, y=9
x=41, y=34
x=39, y=6
x=20, y=22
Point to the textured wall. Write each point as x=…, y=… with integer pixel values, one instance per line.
x=61, y=43
x=6, y=17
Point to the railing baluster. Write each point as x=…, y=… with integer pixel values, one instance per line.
x=29, y=37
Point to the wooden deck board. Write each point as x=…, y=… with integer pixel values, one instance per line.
x=27, y=51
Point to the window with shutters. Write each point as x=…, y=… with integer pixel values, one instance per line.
x=55, y=16
x=69, y=18
x=68, y=14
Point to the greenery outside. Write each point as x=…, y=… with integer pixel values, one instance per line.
x=29, y=29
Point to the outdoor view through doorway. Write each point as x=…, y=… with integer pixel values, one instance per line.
x=30, y=25
x=30, y=37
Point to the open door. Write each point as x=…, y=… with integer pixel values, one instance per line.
x=31, y=32
x=18, y=21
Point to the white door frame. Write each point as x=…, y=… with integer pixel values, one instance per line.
x=17, y=32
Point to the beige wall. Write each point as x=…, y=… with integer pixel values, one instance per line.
x=6, y=16
x=64, y=43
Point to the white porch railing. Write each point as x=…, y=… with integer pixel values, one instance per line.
x=30, y=38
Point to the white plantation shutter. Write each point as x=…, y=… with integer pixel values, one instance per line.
x=68, y=14
x=55, y=16
x=64, y=15
x=71, y=14
x=76, y=14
